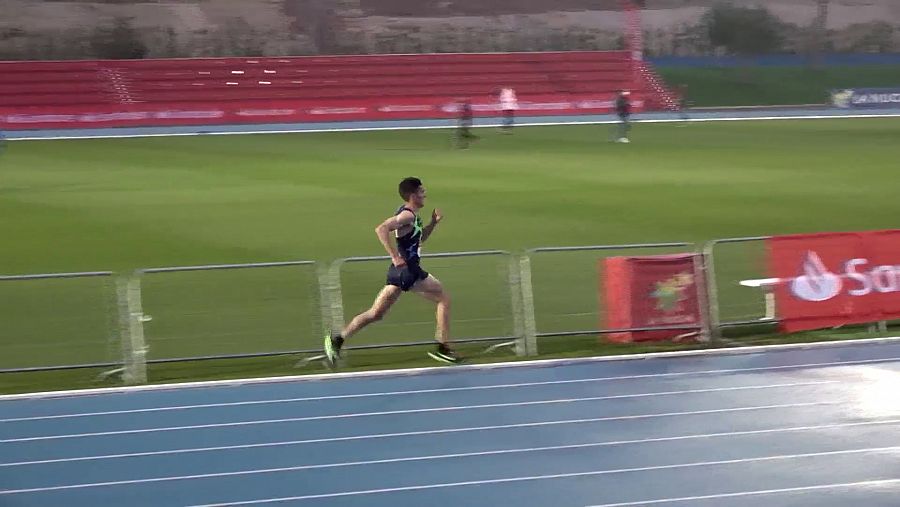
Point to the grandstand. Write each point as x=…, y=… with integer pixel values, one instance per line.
x=417, y=85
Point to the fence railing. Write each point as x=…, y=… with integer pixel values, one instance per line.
x=230, y=310
x=738, y=295
x=124, y=322
x=561, y=285
x=59, y=321
x=483, y=284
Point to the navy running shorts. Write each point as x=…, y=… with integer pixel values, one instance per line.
x=405, y=276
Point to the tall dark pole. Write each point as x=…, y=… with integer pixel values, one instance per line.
x=820, y=30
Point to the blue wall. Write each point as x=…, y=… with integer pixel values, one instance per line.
x=774, y=60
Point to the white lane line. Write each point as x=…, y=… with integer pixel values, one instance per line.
x=248, y=130
x=781, y=457
x=478, y=428
x=845, y=485
x=432, y=486
x=714, y=354
x=440, y=390
x=417, y=411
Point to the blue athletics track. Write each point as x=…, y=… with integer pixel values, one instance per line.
x=781, y=426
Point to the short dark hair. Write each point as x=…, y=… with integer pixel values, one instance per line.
x=408, y=187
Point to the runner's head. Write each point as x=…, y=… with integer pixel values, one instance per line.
x=412, y=191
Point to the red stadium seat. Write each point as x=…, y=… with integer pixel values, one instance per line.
x=311, y=78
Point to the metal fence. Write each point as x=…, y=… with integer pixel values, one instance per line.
x=561, y=289
x=161, y=315
x=59, y=321
x=737, y=275
x=483, y=285
x=226, y=311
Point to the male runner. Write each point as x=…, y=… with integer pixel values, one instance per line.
x=404, y=274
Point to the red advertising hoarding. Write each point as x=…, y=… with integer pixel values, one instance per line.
x=288, y=111
x=832, y=279
x=651, y=291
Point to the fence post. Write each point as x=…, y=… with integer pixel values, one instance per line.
x=322, y=280
x=528, y=319
x=712, y=293
x=138, y=373
x=131, y=330
x=124, y=326
x=515, y=293
x=335, y=296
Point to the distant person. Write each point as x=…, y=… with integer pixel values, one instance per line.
x=508, y=104
x=623, y=110
x=463, y=132
x=683, y=103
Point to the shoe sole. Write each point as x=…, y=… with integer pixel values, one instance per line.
x=443, y=359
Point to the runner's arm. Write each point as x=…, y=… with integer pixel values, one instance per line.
x=384, y=230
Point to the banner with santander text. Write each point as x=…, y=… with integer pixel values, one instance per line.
x=832, y=279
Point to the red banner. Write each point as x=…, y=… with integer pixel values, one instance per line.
x=832, y=279
x=650, y=291
x=286, y=111
x=883, y=272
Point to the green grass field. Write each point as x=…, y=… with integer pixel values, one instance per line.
x=134, y=203
x=755, y=86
